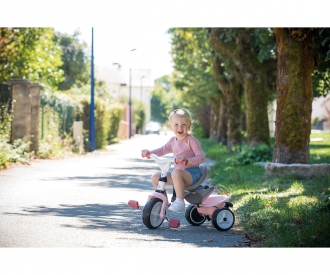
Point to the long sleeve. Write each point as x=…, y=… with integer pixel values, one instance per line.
x=165, y=149
x=197, y=149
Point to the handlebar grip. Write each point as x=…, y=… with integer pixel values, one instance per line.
x=185, y=162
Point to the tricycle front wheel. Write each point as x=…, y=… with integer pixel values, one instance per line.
x=223, y=219
x=150, y=213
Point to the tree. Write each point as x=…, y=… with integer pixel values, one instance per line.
x=30, y=53
x=231, y=104
x=295, y=54
x=139, y=116
x=321, y=73
x=160, y=102
x=76, y=63
x=193, y=76
x=250, y=56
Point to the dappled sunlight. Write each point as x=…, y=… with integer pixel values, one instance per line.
x=296, y=188
x=301, y=200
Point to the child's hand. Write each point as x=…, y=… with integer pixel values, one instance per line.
x=145, y=153
x=182, y=160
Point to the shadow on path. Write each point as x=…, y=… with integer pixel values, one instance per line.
x=122, y=218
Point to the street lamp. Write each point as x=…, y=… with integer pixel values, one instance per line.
x=142, y=87
x=92, y=120
x=130, y=100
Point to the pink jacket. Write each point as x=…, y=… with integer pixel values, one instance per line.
x=189, y=148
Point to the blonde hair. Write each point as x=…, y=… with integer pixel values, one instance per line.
x=181, y=113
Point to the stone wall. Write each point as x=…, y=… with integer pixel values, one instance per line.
x=303, y=170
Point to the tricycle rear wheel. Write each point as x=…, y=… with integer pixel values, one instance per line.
x=193, y=216
x=223, y=219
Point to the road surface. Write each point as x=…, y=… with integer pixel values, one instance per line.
x=82, y=202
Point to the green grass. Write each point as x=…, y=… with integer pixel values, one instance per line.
x=276, y=212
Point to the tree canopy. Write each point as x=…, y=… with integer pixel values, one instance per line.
x=161, y=100
x=76, y=62
x=30, y=53
x=193, y=75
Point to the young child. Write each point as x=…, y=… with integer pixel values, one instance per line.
x=187, y=154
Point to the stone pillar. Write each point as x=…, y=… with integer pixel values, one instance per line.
x=21, y=120
x=26, y=104
x=34, y=125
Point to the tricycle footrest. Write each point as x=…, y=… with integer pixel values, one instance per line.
x=174, y=223
x=134, y=204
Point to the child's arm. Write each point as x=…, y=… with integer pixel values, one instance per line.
x=165, y=149
x=194, y=157
x=199, y=154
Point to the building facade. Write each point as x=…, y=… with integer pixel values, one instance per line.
x=120, y=79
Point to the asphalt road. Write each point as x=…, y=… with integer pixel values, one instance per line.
x=82, y=202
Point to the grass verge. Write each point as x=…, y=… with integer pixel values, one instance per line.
x=276, y=212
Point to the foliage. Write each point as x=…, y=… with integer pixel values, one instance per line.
x=251, y=154
x=321, y=73
x=117, y=112
x=160, y=104
x=76, y=63
x=107, y=114
x=249, y=56
x=165, y=82
x=139, y=115
x=65, y=106
x=59, y=110
x=192, y=57
x=325, y=204
x=275, y=212
x=30, y=53
x=5, y=110
x=16, y=152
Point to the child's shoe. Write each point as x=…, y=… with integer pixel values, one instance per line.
x=177, y=207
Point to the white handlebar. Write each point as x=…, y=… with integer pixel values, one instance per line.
x=161, y=160
x=163, y=163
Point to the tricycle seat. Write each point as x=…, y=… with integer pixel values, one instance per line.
x=197, y=193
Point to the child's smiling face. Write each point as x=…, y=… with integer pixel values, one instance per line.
x=180, y=126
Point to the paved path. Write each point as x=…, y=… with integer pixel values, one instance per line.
x=82, y=202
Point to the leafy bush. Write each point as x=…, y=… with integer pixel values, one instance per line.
x=107, y=119
x=55, y=147
x=325, y=204
x=252, y=154
x=16, y=152
x=61, y=109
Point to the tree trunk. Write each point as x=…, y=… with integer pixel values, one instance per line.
x=215, y=117
x=295, y=54
x=231, y=91
x=252, y=74
x=256, y=109
x=223, y=121
x=234, y=114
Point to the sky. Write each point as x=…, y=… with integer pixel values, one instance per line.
x=120, y=26
x=113, y=44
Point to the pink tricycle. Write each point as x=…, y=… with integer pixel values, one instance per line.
x=203, y=206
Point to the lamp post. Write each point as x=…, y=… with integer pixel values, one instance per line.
x=91, y=119
x=142, y=87
x=130, y=100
